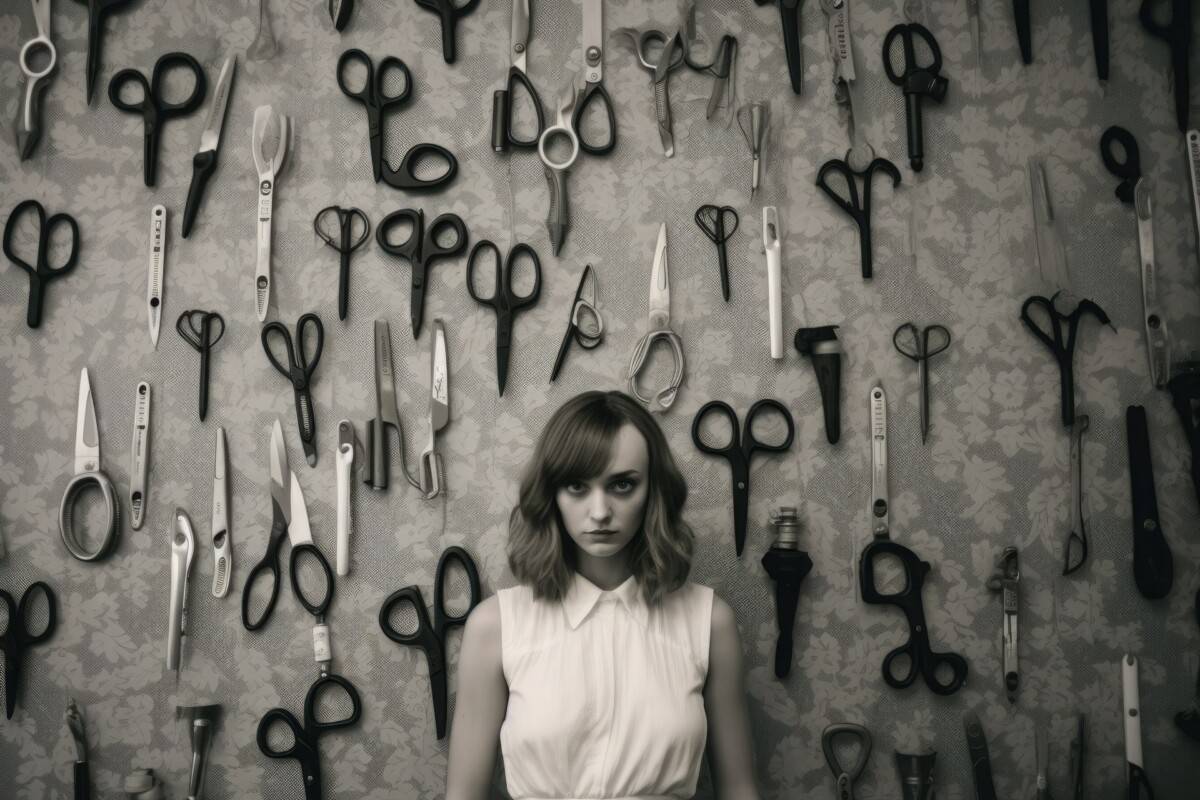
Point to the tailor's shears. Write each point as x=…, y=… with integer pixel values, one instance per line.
x=421, y=249
x=590, y=334
x=153, y=108
x=503, y=135
x=88, y=473
x=204, y=163
x=558, y=214
x=272, y=131
x=659, y=330
x=140, y=459
x=28, y=125
x=1007, y=581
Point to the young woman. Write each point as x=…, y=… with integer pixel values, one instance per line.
x=605, y=673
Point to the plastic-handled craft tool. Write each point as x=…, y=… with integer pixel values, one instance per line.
x=139, y=468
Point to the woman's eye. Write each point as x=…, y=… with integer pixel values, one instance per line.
x=575, y=488
x=624, y=486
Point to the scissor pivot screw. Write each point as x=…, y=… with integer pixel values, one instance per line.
x=592, y=55
x=520, y=48
x=1150, y=525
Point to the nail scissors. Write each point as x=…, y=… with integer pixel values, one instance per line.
x=197, y=329
x=558, y=214
x=17, y=637
x=28, y=125
x=859, y=208
x=431, y=636
x=712, y=220
x=503, y=135
x=299, y=370
x=345, y=241
x=844, y=777
x=88, y=473
x=503, y=299
x=271, y=131
x=421, y=249
x=592, y=335
x=153, y=107
x=659, y=330
x=920, y=346
x=449, y=12
x=40, y=272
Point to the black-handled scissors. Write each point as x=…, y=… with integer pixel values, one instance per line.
x=1021, y=18
x=196, y=326
x=17, y=637
x=590, y=337
x=858, y=207
x=375, y=99
x=1061, y=344
x=789, y=15
x=740, y=449
x=449, y=13
x=593, y=81
x=1129, y=167
x=503, y=300
x=97, y=11
x=431, y=636
x=917, y=80
x=712, y=220
x=345, y=241
x=40, y=271
x=421, y=249
x=299, y=370
x=920, y=345
x=153, y=108
x=1177, y=33
x=306, y=737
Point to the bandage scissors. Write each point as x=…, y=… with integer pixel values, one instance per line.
x=28, y=124
x=920, y=345
x=431, y=636
x=153, y=108
x=592, y=335
x=503, y=299
x=345, y=241
x=659, y=330
x=301, y=364
x=40, y=272
x=17, y=637
x=558, y=214
x=88, y=473
x=421, y=249
x=269, y=163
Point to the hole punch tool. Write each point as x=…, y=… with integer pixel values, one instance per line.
x=503, y=135
x=858, y=207
x=1075, y=549
x=202, y=330
x=1136, y=191
x=17, y=638
x=773, y=248
x=845, y=778
x=503, y=299
x=421, y=250
x=183, y=548
x=204, y=163
x=659, y=330
x=922, y=659
x=981, y=763
x=140, y=459
x=740, y=450
x=917, y=80
x=1153, y=566
x=1006, y=581
x=1177, y=33
x=376, y=101
x=787, y=565
x=669, y=58
x=299, y=370
x=41, y=272
x=719, y=223
x=820, y=345
x=449, y=12
x=77, y=727
x=588, y=333
x=789, y=15
x=1137, y=779
x=98, y=11
x=222, y=536
x=157, y=265
x=89, y=473
x=270, y=140
x=153, y=108
x=349, y=452
x=345, y=241
x=558, y=212
x=430, y=636
x=28, y=126
x=919, y=345
x=754, y=120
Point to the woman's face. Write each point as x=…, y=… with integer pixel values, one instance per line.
x=604, y=513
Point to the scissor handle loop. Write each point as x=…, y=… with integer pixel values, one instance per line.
x=405, y=176
x=662, y=400
x=318, y=608
x=17, y=626
x=424, y=633
x=441, y=617
x=517, y=76
x=344, y=242
x=66, y=515
x=591, y=91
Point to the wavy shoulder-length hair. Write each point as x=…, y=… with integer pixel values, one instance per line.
x=576, y=445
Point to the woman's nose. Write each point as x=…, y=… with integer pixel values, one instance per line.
x=599, y=508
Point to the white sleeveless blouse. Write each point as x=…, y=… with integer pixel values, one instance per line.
x=605, y=693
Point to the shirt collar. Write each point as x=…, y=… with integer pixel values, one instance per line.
x=583, y=596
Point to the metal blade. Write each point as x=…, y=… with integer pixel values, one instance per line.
x=280, y=485
x=87, y=432
x=593, y=41
x=519, y=33
x=298, y=530
x=210, y=138
x=660, y=283
x=439, y=380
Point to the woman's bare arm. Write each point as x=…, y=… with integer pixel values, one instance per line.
x=730, y=753
x=479, y=707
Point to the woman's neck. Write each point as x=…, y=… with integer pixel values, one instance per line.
x=606, y=573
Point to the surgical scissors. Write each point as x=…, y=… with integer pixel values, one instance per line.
x=421, y=249
x=299, y=370
x=28, y=125
x=659, y=330
x=920, y=346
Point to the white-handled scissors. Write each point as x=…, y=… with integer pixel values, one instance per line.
x=267, y=126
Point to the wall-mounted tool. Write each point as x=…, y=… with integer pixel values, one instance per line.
x=76, y=724
x=28, y=126
x=202, y=330
x=449, y=12
x=349, y=452
x=183, y=548
x=981, y=763
x=755, y=121
x=917, y=81
x=789, y=15
x=916, y=775
x=823, y=350
x=787, y=565
x=222, y=537
x=89, y=472
x=773, y=247
x=204, y=163
x=843, y=777
x=269, y=140
x=1075, y=549
x=158, y=265
x=856, y=205
x=1137, y=779
x=1006, y=581
x=202, y=722
x=719, y=223
x=1153, y=566
x=139, y=488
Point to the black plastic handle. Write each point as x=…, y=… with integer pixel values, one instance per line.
x=204, y=164
x=1153, y=567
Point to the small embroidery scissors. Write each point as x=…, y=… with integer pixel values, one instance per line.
x=153, y=108
x=299, y=370
x=503, y=299
x=920, y=346
x=88, y=473
x=345, y=241
x=17, y=637
x=858, y=208
x=712, y=220
x=197, y=329
x=421, y=249
x=40, y=271
x=28, y=125
x=659, y=330
x=592, y=335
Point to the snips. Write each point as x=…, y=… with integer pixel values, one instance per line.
x=202, y=330
x=88, y=473
x=28, y=126
x=503, y=134
x=669, y=57
x=921, y=657
x=41, y=272
x=916, y=80
x=345, y=240
x=659, y=329
x=719, y=223
x=376, y=101
x=449, y=12
x=17, y=636
x=301, y=364
x=183, y=548
x=421, y=250
x=1006, y=582
x=1177, y=33
x=844, y=777
x=789, y=15
x=1136, y=191
x=856, y=205
x=558, y=213
x=503, y=298
x=153, y=108
x=585, y=325
x=1136, y=777
x=270, y=139
x=430, y=635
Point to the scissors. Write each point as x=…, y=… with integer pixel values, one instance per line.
x=720, y=67
x=845, y=778
x=920, y=345
x=97, y=11
x=659, y=330
x=592, y=335
x=204, y=163
x=789, y=14
x=449, y=12
x=917, y=81
x=17, y=637
x=503, y=300
x=29, y=114
x=272, y=131
x=917, y=650
x=88, y=473
x=1060, y=342
x=421, y=249
x=503, y=135
x=431, y=636
x=1177, y=33
x=345, y=241
x=740, y=450
x=1136, y=191
x=558, y=215
x=841, y=49
x=40, y=272
x=299, y=371
x=593, y=76
x=288, y=517
x=977, y=752
x=1006, y=581
x=196, y=327
x=712, y=220
x=670, y=57
x=859, y=208
x=153, y=108
x=375, y=100
x=1136, y=773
